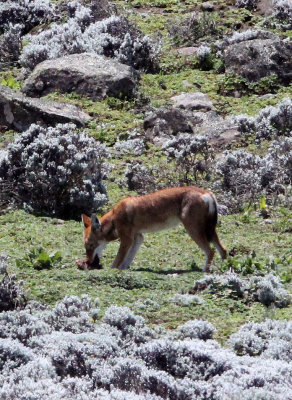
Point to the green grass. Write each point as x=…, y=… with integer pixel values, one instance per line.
x=168, y=263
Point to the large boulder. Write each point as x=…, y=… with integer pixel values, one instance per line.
x=18, y=111
x=259, y=58
x=87, y=74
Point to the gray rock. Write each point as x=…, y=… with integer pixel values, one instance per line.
x=87, y=74
x=218, y=130
x=166, y=122
x=169, y=121
x=187, y=51
x=259, y=58
x=186, y=84
x=18, y=111
x=207, y=6
x=193, y=101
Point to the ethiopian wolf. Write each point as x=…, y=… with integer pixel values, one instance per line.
x=195, y=208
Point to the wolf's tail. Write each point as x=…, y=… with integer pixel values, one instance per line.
x=212, y=215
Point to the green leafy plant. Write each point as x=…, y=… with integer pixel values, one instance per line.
x=39, y=259
x=231, y=84
x=9, y=80
x=248, y=265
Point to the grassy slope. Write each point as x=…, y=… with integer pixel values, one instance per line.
x=163, y=267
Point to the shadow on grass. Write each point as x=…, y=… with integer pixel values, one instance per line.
x=166, y=271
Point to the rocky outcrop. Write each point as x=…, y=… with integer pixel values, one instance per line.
x=259, y=58
x=195, y=101
x=87, y=74
x=18, y=111
x=166, y=122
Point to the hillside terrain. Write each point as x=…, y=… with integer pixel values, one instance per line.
x=103, y=100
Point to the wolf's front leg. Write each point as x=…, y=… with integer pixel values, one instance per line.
x=125, y=246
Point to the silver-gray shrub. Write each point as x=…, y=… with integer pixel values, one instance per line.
x=246, y=176
x=191, y=154
x=188, y=30
x=28, y=13
x=13, y=354
x=126, y=321
x=249, y=4
x=270, y=122
x=283, y=10
x=12, y=292
x=186, y=299
x=133, y=146
x=268, y=290
x=205, y=57
x=193, y=359
x=106, y=362
x=196, y=329
x=111, y=37
x=80, y=10
x=249, y=34
x=231, y=282
x=72, y=314
x=56, y=170
x=10, y=45
x=240, y=173
x=270, y=339
x=140, y=178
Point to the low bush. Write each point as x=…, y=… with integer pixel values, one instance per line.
x=10, y=45
x=134, y=146
x=111, y=37
x=260, y=339
x=249, y=34
x=249, y=4
x=56, y=171
x=267, y=290
x=189, y=30
x=28, y=13
x=12, y=293
x=283, y=10
x=140, y=178
x=186, y=299
x=205, y=57
x=269, y=123
x=196, y=329
x=247, y=176
x=44, y=355
x=191, y=155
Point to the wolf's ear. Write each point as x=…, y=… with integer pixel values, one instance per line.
x=95, y=224
x=86, y=220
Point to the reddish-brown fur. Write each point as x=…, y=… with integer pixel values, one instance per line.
x=195, y=208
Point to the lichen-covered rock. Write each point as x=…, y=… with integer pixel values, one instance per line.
x=193, y=101
x=259, y=58
x=87, y=74
x=166, y=122
x=18, y=111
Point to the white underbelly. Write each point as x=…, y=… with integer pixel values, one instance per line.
x=169, y=223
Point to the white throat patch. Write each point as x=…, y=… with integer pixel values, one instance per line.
x=99, y=249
